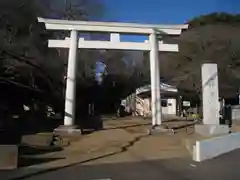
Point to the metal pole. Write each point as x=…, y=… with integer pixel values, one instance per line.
x=71, y=80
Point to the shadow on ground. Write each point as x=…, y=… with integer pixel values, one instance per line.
x=220, y=168
x=151, y=170
x=29, y=161
x=89, y=124
x=27, y=150
x=127, y=126
x=27, y=155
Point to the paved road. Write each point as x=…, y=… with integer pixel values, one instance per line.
x=222, y=168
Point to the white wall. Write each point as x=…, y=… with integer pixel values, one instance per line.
x=213, y=147
x=165, y=110
x=172, y=106
x=143, y=106
x=170, y=109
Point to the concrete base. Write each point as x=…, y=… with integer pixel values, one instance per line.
x=215, y=146
x=211, y=129
x=8, y=157
x=42, y=140
x=69, y=130
x=160, y=130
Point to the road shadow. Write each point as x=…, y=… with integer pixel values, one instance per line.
x=29, y=161
x=28, y=150
x=127, y=126
x=89, y=123
x=186, y=119
x=29, y=155
x=153, y=170
x=220, y=168
x=15, y=129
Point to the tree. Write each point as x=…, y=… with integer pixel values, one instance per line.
x=215, y=18
x=71, y=9
x=26, y=60
x=211, y=38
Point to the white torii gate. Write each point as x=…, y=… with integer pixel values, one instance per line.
x=74, y=42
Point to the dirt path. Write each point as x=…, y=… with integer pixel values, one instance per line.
x=124, y=140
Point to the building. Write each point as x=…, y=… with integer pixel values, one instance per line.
x=139, y=103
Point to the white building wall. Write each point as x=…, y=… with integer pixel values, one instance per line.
x=172, y=106
x=165, y=110
x=143, y=107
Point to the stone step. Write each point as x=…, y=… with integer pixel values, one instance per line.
x=8, y=157
x=44, y=140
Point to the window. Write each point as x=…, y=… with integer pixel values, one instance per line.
x=164, y=103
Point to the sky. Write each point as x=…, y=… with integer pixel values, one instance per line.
x=163, y=11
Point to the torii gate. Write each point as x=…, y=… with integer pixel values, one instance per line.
x=114, y=29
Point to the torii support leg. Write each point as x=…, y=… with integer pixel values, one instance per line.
x=71, y=81
x=155, y=81
x=155, y=88
x=69, y=116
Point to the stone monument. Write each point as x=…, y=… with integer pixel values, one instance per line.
x=210, y=101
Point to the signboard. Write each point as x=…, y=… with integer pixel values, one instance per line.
x=186, y=103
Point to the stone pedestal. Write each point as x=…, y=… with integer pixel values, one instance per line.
x=68, y=130
x=212, y=129
x=161, y=130
x=8, y=157
x=39, y=140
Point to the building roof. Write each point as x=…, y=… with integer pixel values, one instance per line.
x=164, y=88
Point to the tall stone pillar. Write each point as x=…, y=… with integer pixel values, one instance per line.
x=210, y=101
x=210, y=94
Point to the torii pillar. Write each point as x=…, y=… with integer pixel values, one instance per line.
x=155, y=80
x=70, y=93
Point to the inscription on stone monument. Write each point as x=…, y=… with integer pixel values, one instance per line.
x=210, y=94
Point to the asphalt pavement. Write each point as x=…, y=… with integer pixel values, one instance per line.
x=225, y=167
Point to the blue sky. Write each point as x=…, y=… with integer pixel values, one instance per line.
x=163, y=11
